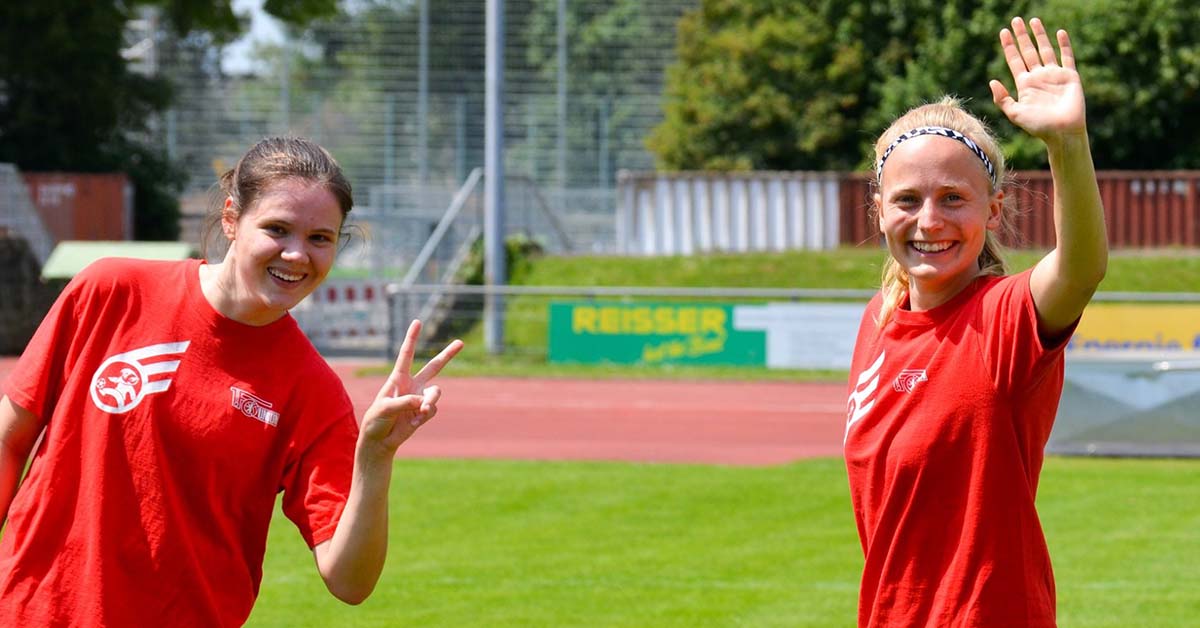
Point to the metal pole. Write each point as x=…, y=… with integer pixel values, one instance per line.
x=603, y=173
x=285, y=91
x=172, y=133
x=494, y=271
x=460, y=138
x=318, y=119
x=389, y=150
x=561, y=170
x=423, y=96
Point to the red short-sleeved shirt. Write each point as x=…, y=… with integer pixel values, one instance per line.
x=170, y=431
x=948, y=415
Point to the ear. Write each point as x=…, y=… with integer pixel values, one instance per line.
x=229, y=220
x=878, y=200
x=995, y=210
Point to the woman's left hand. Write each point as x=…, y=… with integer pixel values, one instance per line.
x=1049, y=102
x=406, y=401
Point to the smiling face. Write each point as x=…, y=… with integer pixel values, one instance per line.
x=281, y=249
x=935, y=208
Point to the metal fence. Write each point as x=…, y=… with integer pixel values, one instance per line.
x=395, y=90
x=19, y=217
x=1143, y=209
x=688, y=213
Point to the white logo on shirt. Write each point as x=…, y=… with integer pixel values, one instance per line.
x=908, y=380
x=860, y=403
x=123, y=380
x=254, y=407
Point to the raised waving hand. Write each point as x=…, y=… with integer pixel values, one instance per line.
x=1049, y=105
x=1049, y=95
x=406, y=401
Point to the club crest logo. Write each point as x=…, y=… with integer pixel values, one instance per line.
x=254, y=407
x=908, y=380
x=123, y=380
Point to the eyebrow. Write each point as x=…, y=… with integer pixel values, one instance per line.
x=956, y=185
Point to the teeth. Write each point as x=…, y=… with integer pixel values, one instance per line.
x=931, y=247
x=284, y=276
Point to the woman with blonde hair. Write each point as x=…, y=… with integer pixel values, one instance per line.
x=958, y=367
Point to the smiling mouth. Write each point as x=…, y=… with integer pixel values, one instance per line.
x=930, y=247
x=284, y=276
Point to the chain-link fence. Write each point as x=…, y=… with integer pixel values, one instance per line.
x=395, y=90
x=18, y=216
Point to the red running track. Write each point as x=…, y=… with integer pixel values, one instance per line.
x=718, y=422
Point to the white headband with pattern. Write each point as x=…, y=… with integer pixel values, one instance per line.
x=944, y=132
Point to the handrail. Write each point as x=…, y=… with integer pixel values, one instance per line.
x=456, y=205
x=779, y=293
x=1176, y=365
x=551, y=217
x=650, y=291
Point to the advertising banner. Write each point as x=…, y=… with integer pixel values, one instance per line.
x=1108, y=329
x=775, y=335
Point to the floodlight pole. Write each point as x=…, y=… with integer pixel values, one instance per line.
x=423, y=96
x=561, y=40
x=494, y=271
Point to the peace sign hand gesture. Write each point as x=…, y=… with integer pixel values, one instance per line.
x=405, y=402
x=1049, y=101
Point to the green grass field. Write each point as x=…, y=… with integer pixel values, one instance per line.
x=491, y=543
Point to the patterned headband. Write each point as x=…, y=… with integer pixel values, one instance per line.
x=944, y=132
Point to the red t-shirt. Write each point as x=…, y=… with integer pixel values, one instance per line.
x=170, y=431
x=947, y=420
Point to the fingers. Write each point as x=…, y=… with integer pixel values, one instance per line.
x=409, y=410
x=1016, y=64
x=429, y=399
x=1022, y=54
x=1044, y=48
x=435, y=366
x=1068, y=53
x=1029, y=53
x=407, y=349
x=402, y=369
x=1000, y=95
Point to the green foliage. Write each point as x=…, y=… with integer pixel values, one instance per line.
x=764, y=85
x=520, y=251
x=71, y=104
x=1140, y=63
x=767, y=84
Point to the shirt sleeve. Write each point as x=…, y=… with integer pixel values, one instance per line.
x=1013, y=348
x=37, y=380
x=316, y=484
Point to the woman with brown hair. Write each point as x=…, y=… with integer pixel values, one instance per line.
x=175, y=400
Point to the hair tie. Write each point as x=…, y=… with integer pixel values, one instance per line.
x=944, y=132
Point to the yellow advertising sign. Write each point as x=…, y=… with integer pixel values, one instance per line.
x=1120, y=327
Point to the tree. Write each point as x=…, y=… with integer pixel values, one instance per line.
x=1140, y=64
x=763, y=85
x=69, y=102
x=775, y=85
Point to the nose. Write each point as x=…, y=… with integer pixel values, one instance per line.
x=295, y=251
x=929, y=217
